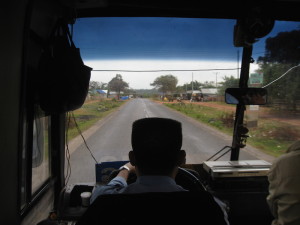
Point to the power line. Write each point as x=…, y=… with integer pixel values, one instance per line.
x=281, y=76
x=169, y=70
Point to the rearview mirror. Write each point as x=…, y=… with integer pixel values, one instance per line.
x=246, y=96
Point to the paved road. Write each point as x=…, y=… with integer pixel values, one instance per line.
x=109, y=139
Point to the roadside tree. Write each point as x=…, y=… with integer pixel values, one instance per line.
x=95, y=85
x=229, y=82
x=117, y=84
x=165, y=83
x=282, y=53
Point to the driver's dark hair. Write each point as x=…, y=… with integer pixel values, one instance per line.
x=156, y=143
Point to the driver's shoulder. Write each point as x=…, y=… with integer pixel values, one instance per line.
x=153, y=184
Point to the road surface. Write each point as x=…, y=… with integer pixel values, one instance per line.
x=109, y=139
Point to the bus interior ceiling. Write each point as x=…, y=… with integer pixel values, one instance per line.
x=25, y=26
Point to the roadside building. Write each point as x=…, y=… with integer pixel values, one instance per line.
x=195, y=95
x=114, y=94
x=210, y=94
x=102, y=93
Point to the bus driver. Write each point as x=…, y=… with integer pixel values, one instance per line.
x=155, y=158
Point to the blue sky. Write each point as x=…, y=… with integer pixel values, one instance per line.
x=163, y=44
x=160, y=38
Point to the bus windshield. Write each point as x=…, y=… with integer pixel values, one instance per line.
x=180, y=68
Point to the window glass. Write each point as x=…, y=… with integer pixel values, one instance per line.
x=23, y=167
x=275, y=126
x=199, y=57
x=40, y=152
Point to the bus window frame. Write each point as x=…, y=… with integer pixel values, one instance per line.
x=30, y=198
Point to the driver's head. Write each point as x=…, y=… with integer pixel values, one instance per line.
x=156, y=144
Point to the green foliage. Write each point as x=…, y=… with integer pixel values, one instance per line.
x=208, y=84
x=270, y=136
x=195, y=85
x=165, y=83
x=282, y=53
x=129, y=91
x=283, y=48
x=146, y=93
x=94, y=85
x=208, y=115
x=273, y=137
x=229, y=82
x=287, y=88
x=117, y=84
x=227, y=119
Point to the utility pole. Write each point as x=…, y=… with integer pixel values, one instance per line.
x=192, y=83
x=192, y=87
x=238, y=63
x=216, y=79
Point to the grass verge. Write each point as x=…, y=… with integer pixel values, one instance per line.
x=89, y=114
x=270, y=136
x=216, y=118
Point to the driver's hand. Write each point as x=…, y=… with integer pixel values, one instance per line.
x=125, y=173
x=131, y=167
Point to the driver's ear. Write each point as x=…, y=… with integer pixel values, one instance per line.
x=132, y=158
x=181, y=158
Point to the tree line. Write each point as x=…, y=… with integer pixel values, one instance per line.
x=282, y=55
x=116, y=84
x=162, y=84
x=280, y=67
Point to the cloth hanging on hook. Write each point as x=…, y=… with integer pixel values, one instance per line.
x=63, y=78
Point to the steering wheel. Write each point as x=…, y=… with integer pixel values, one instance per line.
x=186, y=178
x=131, y=178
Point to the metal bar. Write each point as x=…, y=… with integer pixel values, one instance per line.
x=239, y=113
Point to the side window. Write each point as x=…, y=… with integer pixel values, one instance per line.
x=40, y=152
x=23, y=186
x=35, y=156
